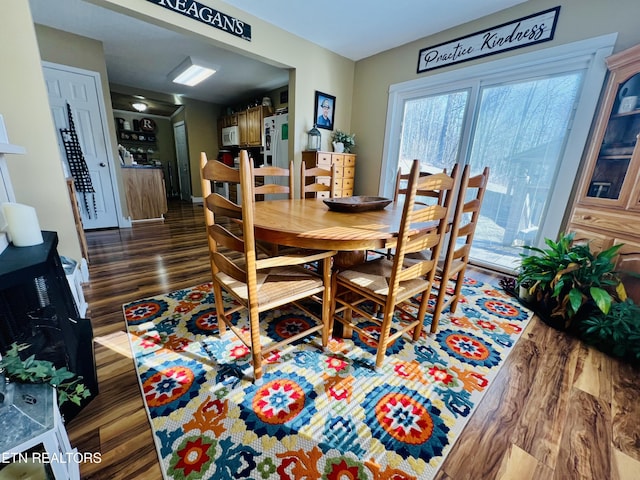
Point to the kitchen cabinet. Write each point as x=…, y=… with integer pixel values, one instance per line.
x=607, y=206
x=242, y=128
x=250, y=125
x=255, y=117
x=145, y=192
x=345, y=171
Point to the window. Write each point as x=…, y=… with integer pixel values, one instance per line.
x=526, y=117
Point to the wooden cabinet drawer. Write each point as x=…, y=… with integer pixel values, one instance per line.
x=324, y=159
x=596, y=241
x=338, y=159
x=347, y=183
x=348, y=172
x=349, y=160
x=605, y=222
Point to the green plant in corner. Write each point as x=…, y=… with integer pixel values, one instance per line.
x=569, y=276
x=67, y=384
x=347, y=139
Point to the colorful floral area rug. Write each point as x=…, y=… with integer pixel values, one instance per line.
x=316, y=414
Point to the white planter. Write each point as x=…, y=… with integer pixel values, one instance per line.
x=338, y=147
x=524, y=294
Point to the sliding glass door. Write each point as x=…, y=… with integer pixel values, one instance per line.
x=519, y=124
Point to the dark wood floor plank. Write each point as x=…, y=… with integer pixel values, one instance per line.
x=495, y=418
x=585, y=448
x=593, y=373
x=626, y=409
x=544, y=413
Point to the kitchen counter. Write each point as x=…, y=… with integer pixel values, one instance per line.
x=145, y=192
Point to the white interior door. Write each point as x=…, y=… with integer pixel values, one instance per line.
x=182, y=155
x=81, y=91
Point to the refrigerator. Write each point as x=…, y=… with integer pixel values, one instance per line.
x=276, y=147
x=276, y=140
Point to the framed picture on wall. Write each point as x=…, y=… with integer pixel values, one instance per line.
x=325, y=107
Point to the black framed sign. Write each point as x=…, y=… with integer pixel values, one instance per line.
x=203, y=13
x=525, y=31
x=324, y=111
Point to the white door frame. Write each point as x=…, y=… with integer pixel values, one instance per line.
x=123, y=222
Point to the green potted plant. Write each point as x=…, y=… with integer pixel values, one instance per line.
x=67, y=384
x=616, y=332
x=348, y=140
x=568, y=278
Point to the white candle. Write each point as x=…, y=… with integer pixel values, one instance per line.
x=22, y=224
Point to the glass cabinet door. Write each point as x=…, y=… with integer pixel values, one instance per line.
x=620, y=138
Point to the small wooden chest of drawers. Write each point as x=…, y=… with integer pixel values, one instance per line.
x=345, y=171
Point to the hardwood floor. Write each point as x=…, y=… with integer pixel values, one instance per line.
x=557, y=409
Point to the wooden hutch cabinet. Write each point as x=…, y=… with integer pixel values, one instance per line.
x=345, y=173
x=607, y=207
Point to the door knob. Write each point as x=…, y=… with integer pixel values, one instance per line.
x=102, y=164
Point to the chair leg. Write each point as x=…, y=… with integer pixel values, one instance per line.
x=256, y=346
x=327, y=302
x=458, y=289
x=437, y=310
x=217, y=295
x=422, y=312
x=385, y=329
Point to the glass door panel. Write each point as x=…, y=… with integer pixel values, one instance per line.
x=432, y=131
x=520, y=133
x=519, y=130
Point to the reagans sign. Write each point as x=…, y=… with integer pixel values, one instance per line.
x=208, y=15
x=536, y=28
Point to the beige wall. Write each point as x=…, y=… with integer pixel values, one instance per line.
x=37, y=177
x=200, y=120
x=578, y=20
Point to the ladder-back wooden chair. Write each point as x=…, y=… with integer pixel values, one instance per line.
x=422, y=197
x=388, y=285
x=277, y=183
x=402, y=180
x=270, y=184
x=317, y=182
x=463, y=227
x=255, y=284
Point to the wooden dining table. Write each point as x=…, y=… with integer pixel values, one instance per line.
x=308, y=223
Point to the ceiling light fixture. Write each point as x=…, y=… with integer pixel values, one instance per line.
x=191, y=72
x=139, y=106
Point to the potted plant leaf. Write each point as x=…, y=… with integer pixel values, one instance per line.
x=569, y=278
x=348, y=140
x=616, y=333
x=68, y=385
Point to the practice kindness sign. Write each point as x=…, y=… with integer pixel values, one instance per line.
x=536, y=28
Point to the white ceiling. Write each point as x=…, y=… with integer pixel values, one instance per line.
x=140, y=55
x=357, y=29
